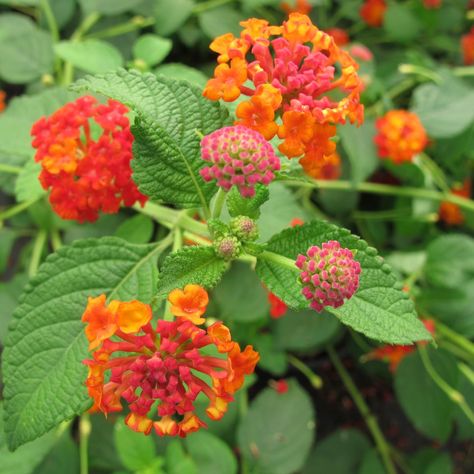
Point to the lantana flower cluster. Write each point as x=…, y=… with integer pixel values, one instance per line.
x=373, y=12
x=85, y=150
x=159, y=371
x=3, y=96
x=400, y=136
x=291, y=74
x=451, y=213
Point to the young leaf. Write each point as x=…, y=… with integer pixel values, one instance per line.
x=170, y=114
x=240, y=206
x=379, y=308
x=43, y=373
x=277, y=432
x=198, y=265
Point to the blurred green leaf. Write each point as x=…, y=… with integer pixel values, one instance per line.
x=425, y=404
x=182, y=72
x=63, y=458
x=152, y=49
x=136, y=230
x=431, y=461
x=10, y=292
x=171, y=14
x=371, y=463
x=210, y=454
x=135, y=450
x=339, y=453
x=90, y=55
x=221, y=20
x=178, y=461
x=401, y=23
x=26, y=51
x=27, y=185
x=108, y=7
x=276, y=434
x=240, y=295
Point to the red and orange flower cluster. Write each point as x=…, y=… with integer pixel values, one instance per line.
x=2, y=100
x=431, y=4
x=467, y=45
x=373, y=12
x=85, y=150
x=451, y=213
x=289, y=74
x=400, y=136
x=159, y=372
x=393, y=355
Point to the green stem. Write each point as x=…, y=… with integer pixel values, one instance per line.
x=394, y=215
x=455, y=350
x=315, y=380
x=211, y=4
x=14, y=210
x=38, y=246
x=467, y=372
x=456, y=338
x=420, y=71
x=464, y=71
x=377, y=188
x=55, y=240
x=279, y=259
x=219, y=203
x=435, y=171
x=85, y=428
x=51, y=20
x=369, y=418
x=136, y=23
x=9, y=169
x=177, y=244
x=453, y=394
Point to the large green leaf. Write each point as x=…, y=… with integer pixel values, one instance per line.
x=199, y=265
x=90, y=55
x=44, y=376
x=108, y=7
x=26, y=51
x=379, y=308
x=339, y=453
x=276, y=434
x=425, y=404
x=167, y=145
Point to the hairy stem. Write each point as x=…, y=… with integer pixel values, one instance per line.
x=85, y=428
x=315, y=380
x=219, y=203
x=38, y=246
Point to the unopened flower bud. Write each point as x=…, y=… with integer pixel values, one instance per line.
x=227, y=247
x=244, y=228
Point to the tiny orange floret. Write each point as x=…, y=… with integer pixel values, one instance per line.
x=258, y=115
x=227, y=81
x=220, y=336
x=189, y=303
x=2, y=100
x=297, y=130
x=101, y=320
x=132, y=316
x=139, y=423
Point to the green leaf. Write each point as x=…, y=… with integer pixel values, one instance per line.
x=152, y=49
x=183, y=73
x=178, y=461
x=276, y=434
x=64, y=457
x=171, y=14
x=199, y=265
x=358, y=143
x=237, y=205
x=90, y=55
x=25, y=459
x=10, y=291
x=431, y=461
x=108, y=7
x=401, y=23
x=135, y=450
x=27, y=185
x=221, y=20
x=272, y=359
x=137, y=229
x=7, y=239
x=379, y=308
x=425, y=404
x=170, y=114
x=339, y=453
x=371, y=463
x=210, y=454
x=305, y=330
x=165, y=171
x=445, y=110
x=43, y=373
x=26, y=51
x=240, y=296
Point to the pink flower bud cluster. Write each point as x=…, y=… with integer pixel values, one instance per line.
x=329, y=275
x=240, y=157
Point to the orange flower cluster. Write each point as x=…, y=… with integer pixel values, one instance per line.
x=430, y=4
x=3, y=96
x=373, y=11
x=396, y=353
x=85, y=149
x=467, y=45
x=451, y=213
x=289, y=74
x=400, y=136
x=300, y=6
x=161, y=369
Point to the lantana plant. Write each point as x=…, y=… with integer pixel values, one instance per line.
x=180, y=325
